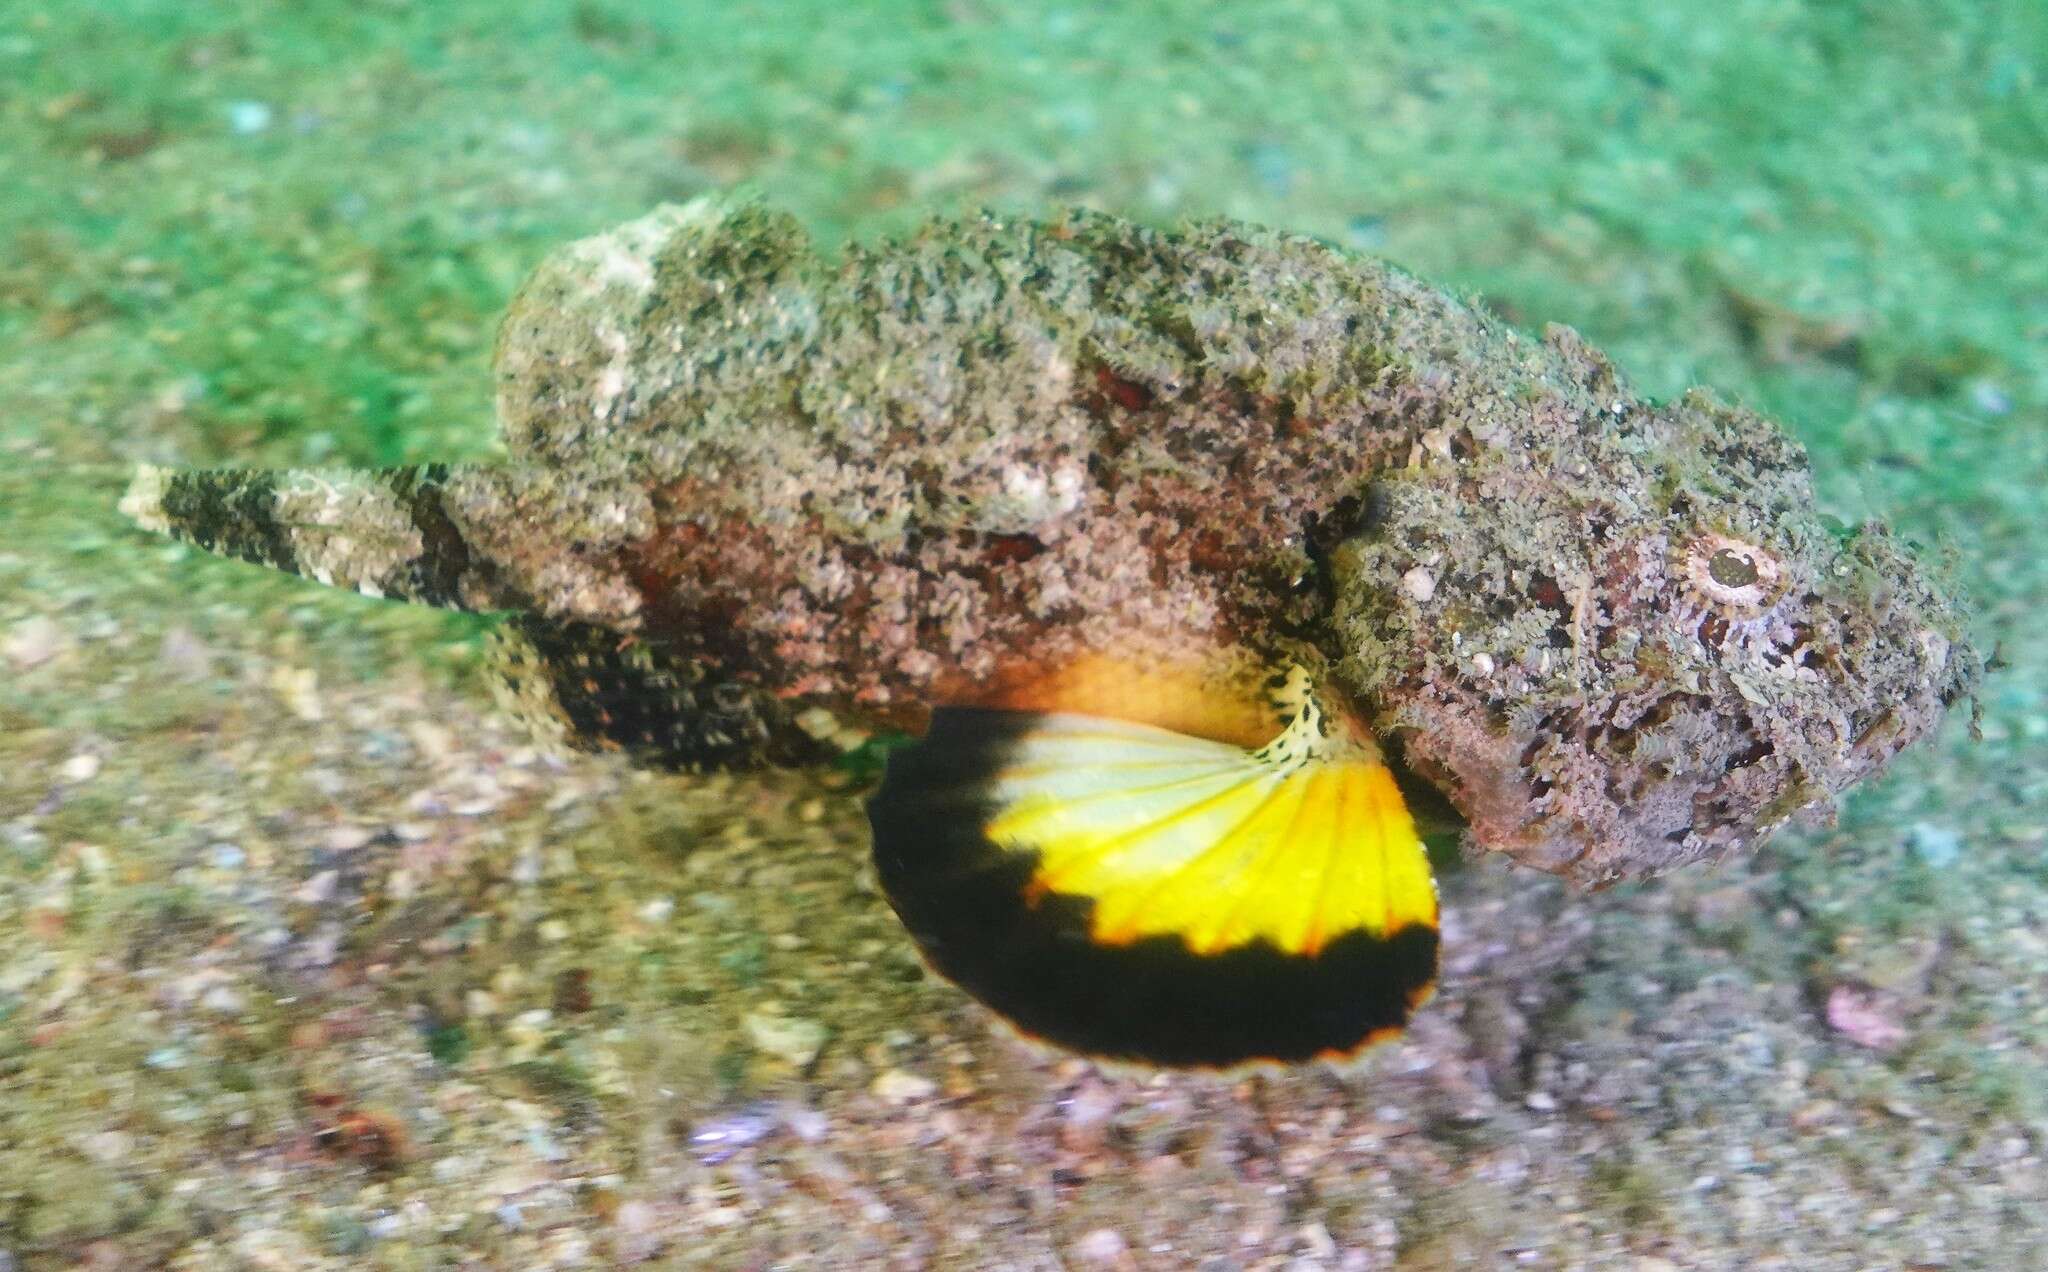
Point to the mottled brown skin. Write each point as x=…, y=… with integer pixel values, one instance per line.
x=952, y=614
x=1617, y=634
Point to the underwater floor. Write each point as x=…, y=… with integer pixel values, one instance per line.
x=307, y=960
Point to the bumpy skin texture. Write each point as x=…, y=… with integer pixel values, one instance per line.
x=1616, y=634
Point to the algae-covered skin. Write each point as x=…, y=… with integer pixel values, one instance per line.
x=745, y=481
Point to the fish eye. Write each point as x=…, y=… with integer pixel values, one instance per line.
x=1730, y=568
x=1736, y=577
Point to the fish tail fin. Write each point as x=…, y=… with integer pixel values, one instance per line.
x=454, y=536
x=382, y=532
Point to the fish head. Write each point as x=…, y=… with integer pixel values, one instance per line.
x=1622, y=637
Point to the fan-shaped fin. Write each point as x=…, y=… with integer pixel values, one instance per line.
x=1138, y=893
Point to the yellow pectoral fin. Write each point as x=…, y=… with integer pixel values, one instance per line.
x=1133, y=892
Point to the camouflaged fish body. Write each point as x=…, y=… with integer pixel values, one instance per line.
x=743, y=482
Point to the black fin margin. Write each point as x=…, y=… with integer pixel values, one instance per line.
x=1153, y=1001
